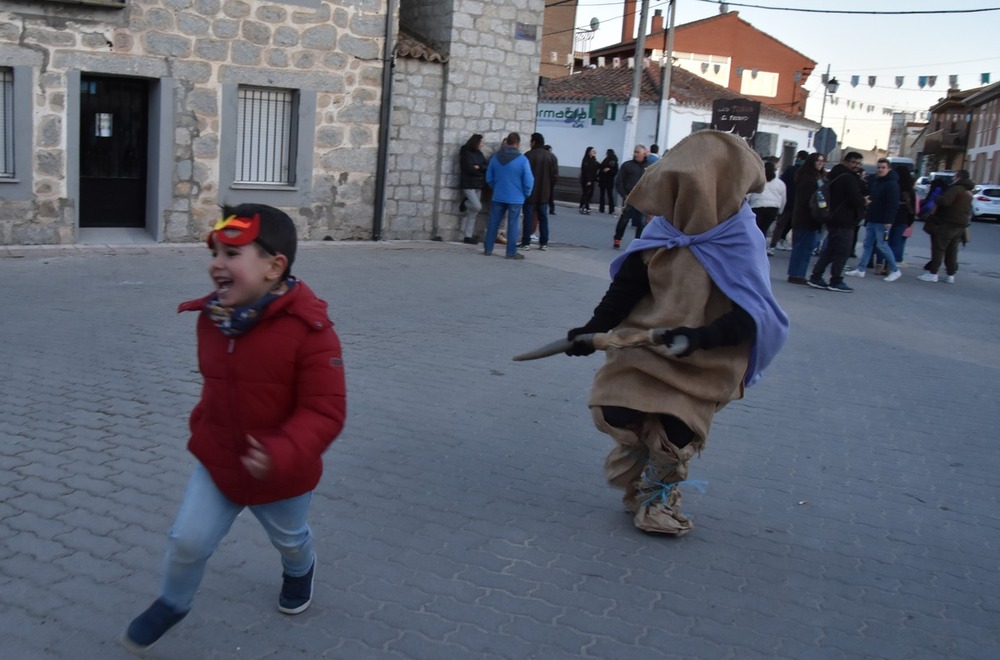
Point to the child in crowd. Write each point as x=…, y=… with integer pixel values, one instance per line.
x=272, y=401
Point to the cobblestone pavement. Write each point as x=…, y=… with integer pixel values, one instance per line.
x=851, y=510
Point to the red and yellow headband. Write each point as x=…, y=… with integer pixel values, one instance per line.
x=247, y=230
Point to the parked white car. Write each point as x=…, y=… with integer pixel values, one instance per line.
x=986, y=202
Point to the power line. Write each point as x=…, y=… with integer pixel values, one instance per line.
x=858, y=12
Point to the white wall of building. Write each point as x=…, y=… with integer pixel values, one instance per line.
x=568, y=128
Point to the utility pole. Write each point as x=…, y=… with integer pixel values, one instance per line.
x=666, y=69
x=632, y=111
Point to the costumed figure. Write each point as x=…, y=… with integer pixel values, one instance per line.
x=700, y=269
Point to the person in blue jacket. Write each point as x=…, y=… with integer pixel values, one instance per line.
x=509, y=175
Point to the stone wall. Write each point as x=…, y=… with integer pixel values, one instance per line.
x=195, y=48
x=488, y=85
x=195, y=53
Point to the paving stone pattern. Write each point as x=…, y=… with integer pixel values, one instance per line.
x=851, y=509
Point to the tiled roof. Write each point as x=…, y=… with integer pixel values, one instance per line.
x=418, y=48
x=615, y=84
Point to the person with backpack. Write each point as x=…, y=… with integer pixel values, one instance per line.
x=846, y=203
x=805, y=227
x=884, y=193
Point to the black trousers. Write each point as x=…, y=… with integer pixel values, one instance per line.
x=609, y=192
x=679, y=433
x=839, y=243
x=637, y=219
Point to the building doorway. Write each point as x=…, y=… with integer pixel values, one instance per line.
x=114, y=127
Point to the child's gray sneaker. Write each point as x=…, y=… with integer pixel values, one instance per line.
x=296, y=592
x=147, y=628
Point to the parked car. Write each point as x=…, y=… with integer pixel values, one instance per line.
x=986, y=202
x=923, y=184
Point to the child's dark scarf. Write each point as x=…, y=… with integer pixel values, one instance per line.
x=234, y=321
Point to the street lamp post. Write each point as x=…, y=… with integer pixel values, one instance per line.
x=829, y=87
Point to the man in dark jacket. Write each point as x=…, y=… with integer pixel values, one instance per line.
x=847, y=207
x=545, y=169
x=785, y=219
x=953, y=214
x=628, y=175
x=883, y=191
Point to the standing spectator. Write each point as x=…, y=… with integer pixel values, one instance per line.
x=654, y=153
x=472, y=178
x=589, y=170
x=847, y=207
x=785, y=218
x=606, y=180
x=544, y=171
x=804, y=227
x=628, y=175
x=953, y=215
x=766, y=205
x=903, y=224
x=509, y=175
x=555, y=180
x=884, y=193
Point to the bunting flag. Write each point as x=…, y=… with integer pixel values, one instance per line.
x=931, y=80
x=855, y=80
x=825, y=78
x=984, y=78
x=899, y=81
x=739, y=72
x=718, y=67
x=952, y=81
x=871, y=81
x=922, y=81
x=704, y=67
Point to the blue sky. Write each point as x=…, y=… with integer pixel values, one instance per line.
x=884, y=46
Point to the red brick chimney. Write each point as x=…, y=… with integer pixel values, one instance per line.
x=657, y=22
x=628, y=25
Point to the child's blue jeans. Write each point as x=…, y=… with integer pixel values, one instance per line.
x=204, y=519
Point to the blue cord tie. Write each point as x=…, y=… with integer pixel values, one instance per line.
x=663, y=489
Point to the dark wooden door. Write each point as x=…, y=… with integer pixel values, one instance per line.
x=114, y=125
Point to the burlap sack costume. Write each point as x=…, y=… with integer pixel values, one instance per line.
x=701, y=182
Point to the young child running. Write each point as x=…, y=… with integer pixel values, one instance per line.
x=272, y=401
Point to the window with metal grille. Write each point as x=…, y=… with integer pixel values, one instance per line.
x=6, y=123
x=266, y=135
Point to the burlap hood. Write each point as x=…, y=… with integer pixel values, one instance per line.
x=700, y=182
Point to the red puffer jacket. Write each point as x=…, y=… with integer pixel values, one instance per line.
x=281, y=382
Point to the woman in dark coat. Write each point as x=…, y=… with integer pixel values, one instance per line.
x=804, y=228
x=589, y=169
x=606, y=180
x=905, y=216
x=472, y=179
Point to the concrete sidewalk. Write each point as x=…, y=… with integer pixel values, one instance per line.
x=851, y=509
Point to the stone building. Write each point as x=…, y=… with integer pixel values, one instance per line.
x=148, y=114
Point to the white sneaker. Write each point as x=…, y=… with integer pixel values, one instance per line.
x=770, y=251
x=893, y=276
x=928, y=277
x=950, y=279
x=783, y=245
x=855, y=273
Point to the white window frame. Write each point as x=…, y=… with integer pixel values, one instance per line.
x=8, y=169
x=266, y=136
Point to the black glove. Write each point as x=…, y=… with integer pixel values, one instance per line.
x=579, y=348
x=695, y=339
